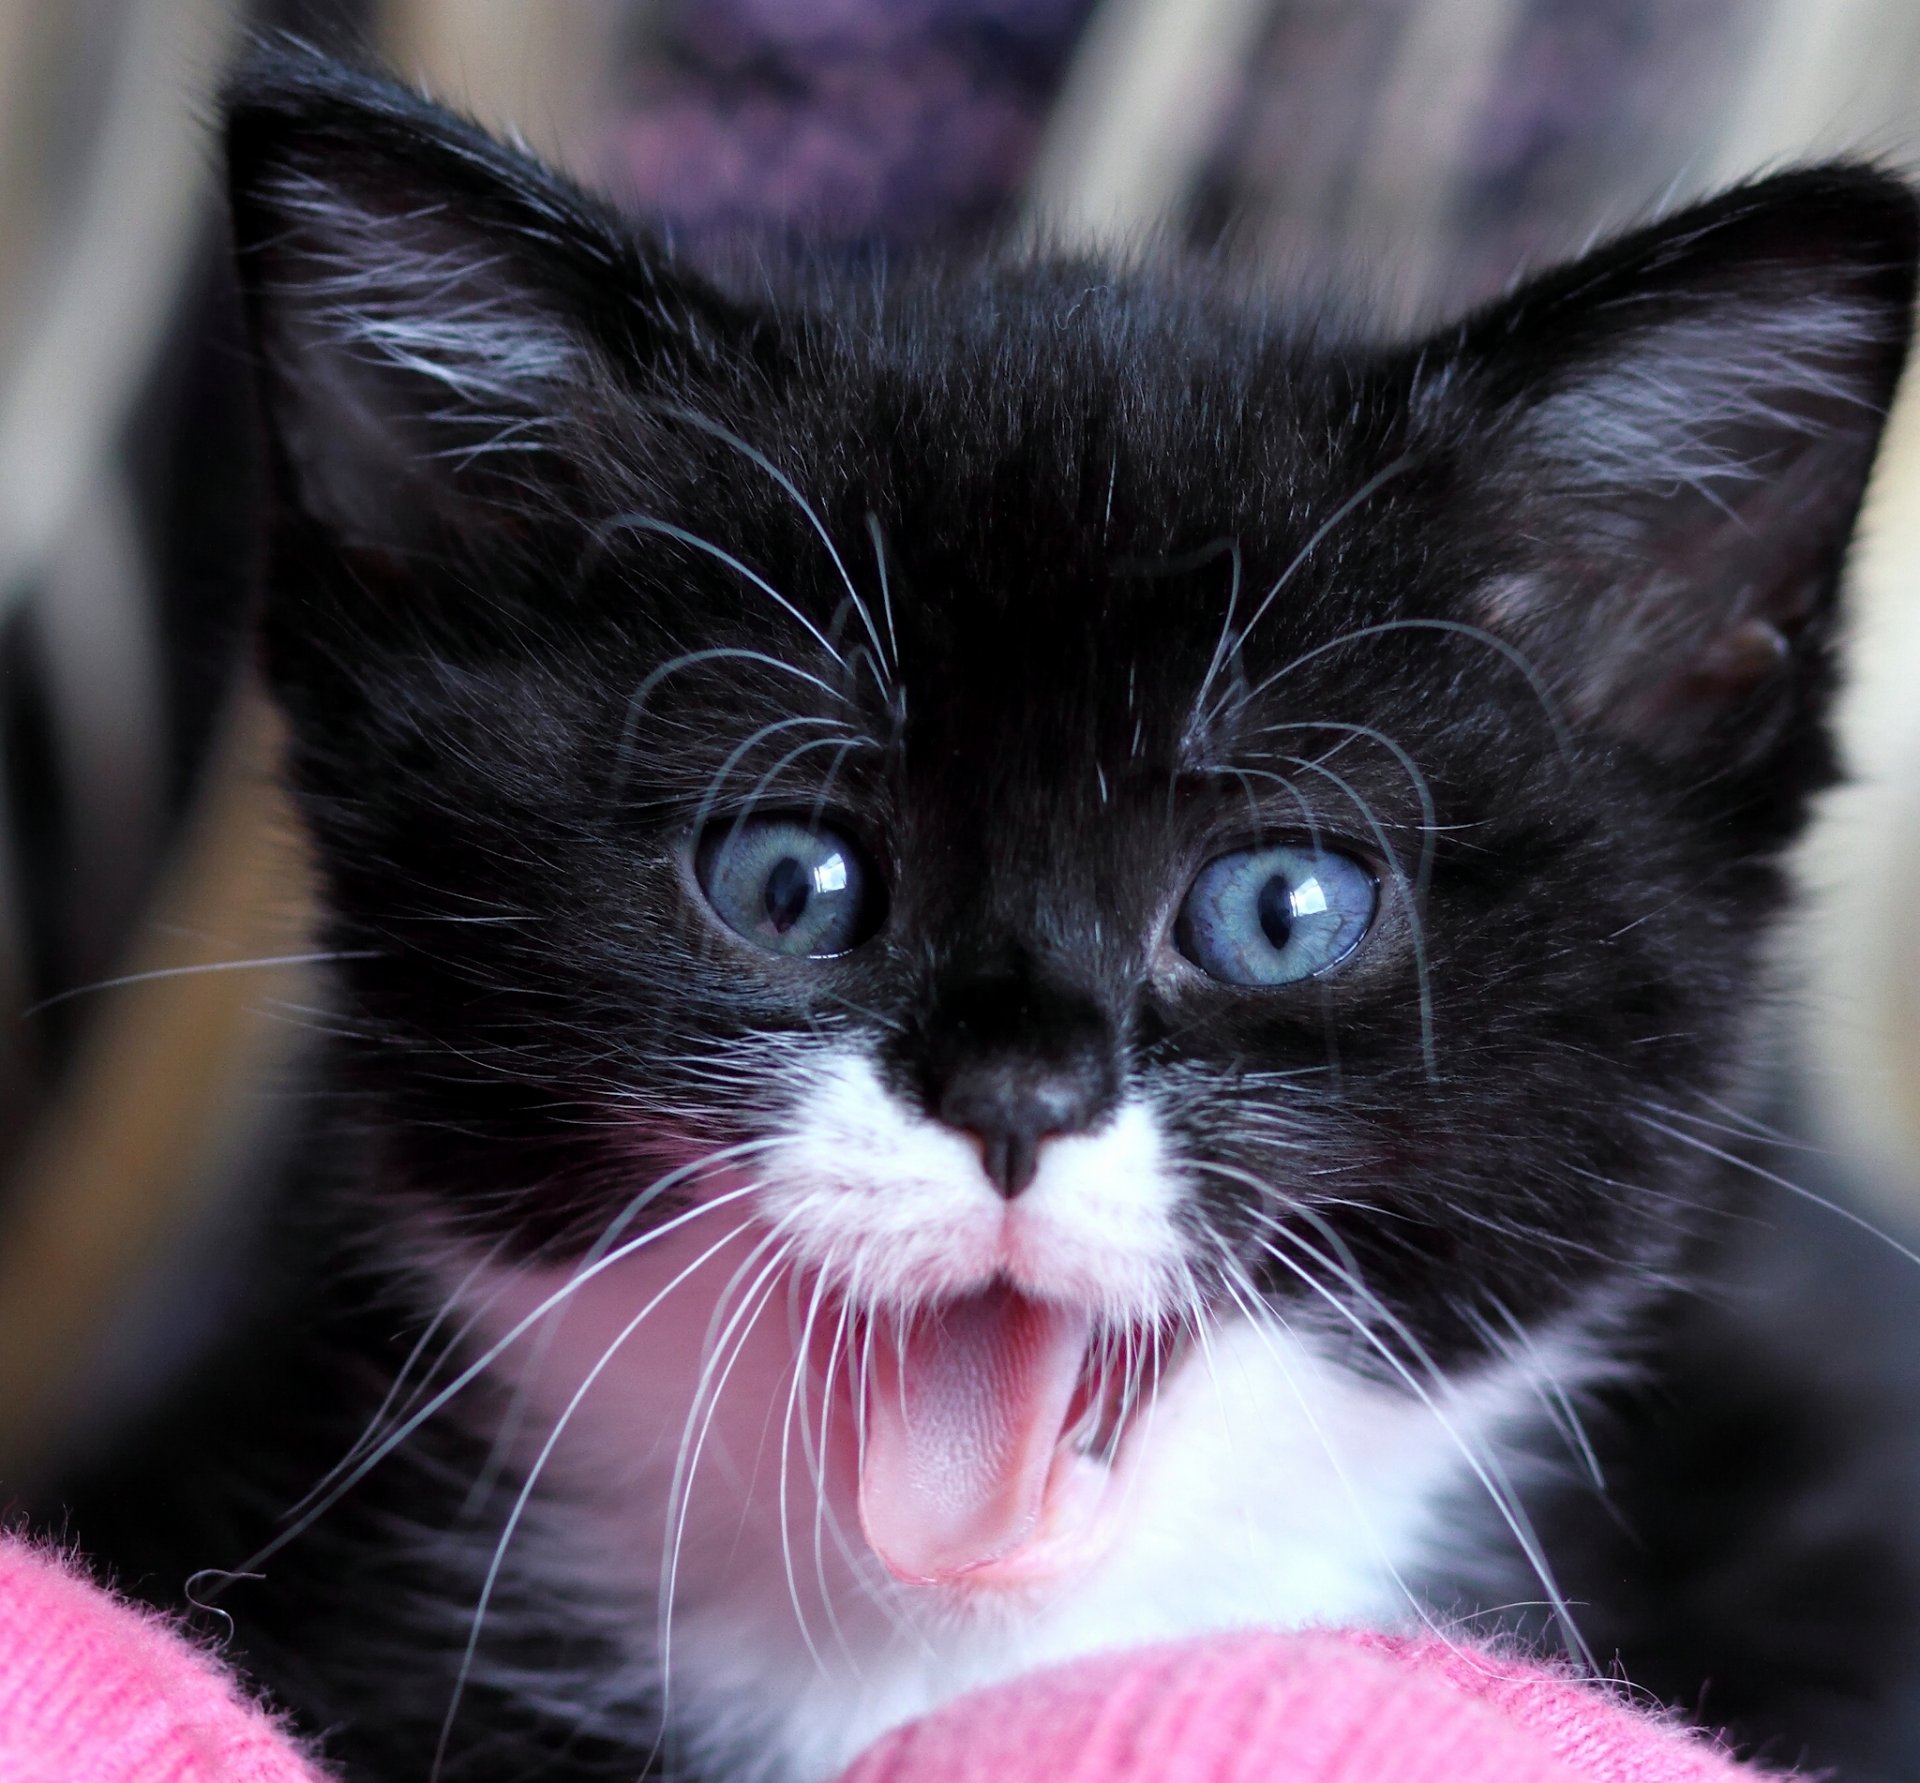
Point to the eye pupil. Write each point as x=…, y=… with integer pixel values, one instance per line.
x=789, y=885
x=1276, y=910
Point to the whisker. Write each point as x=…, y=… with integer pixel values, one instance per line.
x=639, y=1203
x=1256, y=1311
x=370, y=1433
x=532, y=1480
x=802, y=1358
x=351, y=1477
x=694, y=542
x=1409, y=895
x=1479, y=1459
x=817, y=1460
x=680, y=1493
x=1422, y=787
x=1781, y=1182
x=1543, y=695
x=742, y=749
x=155, y=974
x=1742, y=1126
x=1270, y=1191
x=886, y=591
x=1223, y=652
x=636, y=703
x=826, y=1518
x=1378, y=481
x=823, y=794
x=1482, y=1463
x=1556, y=1401
x=755, y=456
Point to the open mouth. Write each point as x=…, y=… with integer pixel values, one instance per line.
x=994, y=1433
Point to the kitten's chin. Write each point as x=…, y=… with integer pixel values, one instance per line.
x=999, y=1433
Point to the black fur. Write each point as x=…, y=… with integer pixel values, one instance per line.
x=1550, y=640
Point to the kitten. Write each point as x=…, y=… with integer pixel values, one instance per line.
x=1025, y=953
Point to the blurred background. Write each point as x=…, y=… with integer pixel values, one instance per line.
x=154, y=994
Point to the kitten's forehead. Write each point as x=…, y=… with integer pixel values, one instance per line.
x=1083, y=577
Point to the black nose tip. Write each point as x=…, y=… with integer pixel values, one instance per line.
x=1010, y=1106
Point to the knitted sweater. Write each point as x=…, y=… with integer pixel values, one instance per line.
x=95, y=1691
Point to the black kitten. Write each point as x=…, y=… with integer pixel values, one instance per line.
x=1025, y=954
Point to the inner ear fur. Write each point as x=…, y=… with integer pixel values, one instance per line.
x=440, y=323
x=1681, y=426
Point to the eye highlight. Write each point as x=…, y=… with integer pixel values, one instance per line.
x=1268, y=916
x=790, y=886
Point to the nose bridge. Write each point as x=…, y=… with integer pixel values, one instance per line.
x=1013, y=1055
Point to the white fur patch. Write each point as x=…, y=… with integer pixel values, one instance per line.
x=877, y=1194
x=1266, y=1484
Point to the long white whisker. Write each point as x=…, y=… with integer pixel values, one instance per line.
x=755, y=456
x=748, y=744
x=823, y=795
x=1549, y=706
x=694, y=542
x=826, y=1520
x=1223, y=649
x=1268, y=1191
x=886, y=590
x=817, y=1454
x=1781, y=1182
x=532, y=1480
x=472, y=1372
x=1554, y=1398
x=1409, y=896
x=636, y=703
x=802, y=1367
x=399, y=1383
x=1483, y=1464
x=1253, y=1307
x=158, y=973
x=1365, y=492
x=707, y=1392
x=1423, y=790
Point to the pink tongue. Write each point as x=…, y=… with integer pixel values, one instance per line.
x=965, y=1406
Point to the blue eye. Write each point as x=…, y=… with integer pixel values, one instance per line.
x=1275, y=915
x=789, y=886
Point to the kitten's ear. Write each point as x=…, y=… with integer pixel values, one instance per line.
x=1683, y=424
x=439, y=321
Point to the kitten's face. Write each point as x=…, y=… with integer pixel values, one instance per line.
x=1004, y=847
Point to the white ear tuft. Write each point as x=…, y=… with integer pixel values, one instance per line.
x=404, y=292
x=401, y=351
x=1716, y=402
x=441, y=322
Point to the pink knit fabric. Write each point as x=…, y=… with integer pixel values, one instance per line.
x=93, y=1691
x=1304, y=1708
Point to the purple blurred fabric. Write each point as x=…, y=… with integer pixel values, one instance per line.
x=851, y=120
